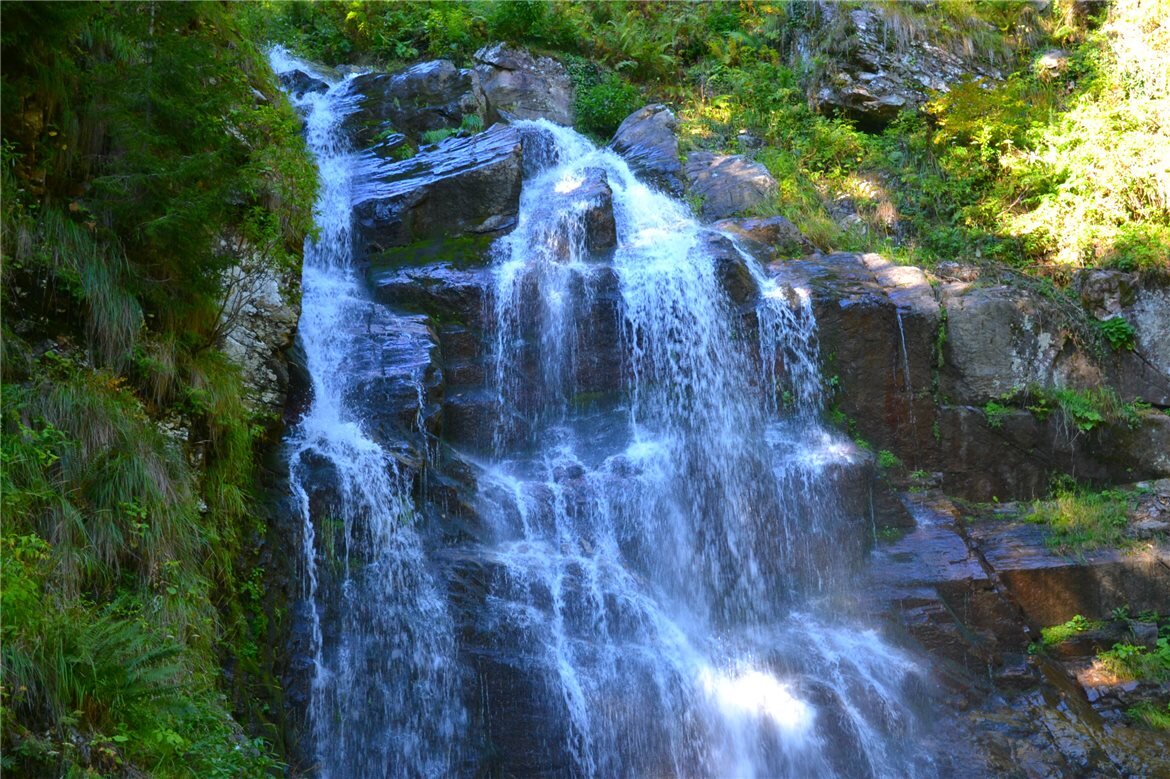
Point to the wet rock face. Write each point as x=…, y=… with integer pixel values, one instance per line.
x=648, y=141
x=589, y=222
x=727, y=183
x=772, y=237
x=461, y=186
x=299, y=83
x=519, y=85
x=884, y=71
x=428, y=96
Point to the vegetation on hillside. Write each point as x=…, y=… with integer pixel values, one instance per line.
x=1046, y=170
x=141, y=141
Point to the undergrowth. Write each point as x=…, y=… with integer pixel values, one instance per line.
x=146, y=150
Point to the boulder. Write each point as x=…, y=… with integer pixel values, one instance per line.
x=441, y=291
x=521, y=86
x=772, y=237
x=735, y=278
x=460, y=186
x=299, y=82
x=428, y=96
x=648, y=141
x=727, y=184
x=1001, y=339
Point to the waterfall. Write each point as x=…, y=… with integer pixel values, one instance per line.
x=658, y=585
x=382, y=688
x=660, y=561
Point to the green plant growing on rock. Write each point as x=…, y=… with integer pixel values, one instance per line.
x=995, y=413
x=887, y=460
x=1151, y=715
x=1081, y=520
x=1118, y=332
x=1058, y=634
x=1135, y=662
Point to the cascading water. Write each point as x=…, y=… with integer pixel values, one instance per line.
x=661, y=542
x=659, y=562
x=382, y=691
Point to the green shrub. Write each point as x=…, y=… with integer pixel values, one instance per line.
x=602, y=107
x=1058, y=634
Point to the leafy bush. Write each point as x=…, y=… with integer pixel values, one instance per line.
x=1058, y=634
x=602, y=107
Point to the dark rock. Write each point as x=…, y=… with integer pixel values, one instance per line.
x=518, y=85
x=775, y=235
x=877, y=327
x=1052, y=588
x=428, y=96
x=586, y=217
x=727, y=184
x=733, y=274
x=386, y=147
x=447, y=294
x=648, y=141
x=298, y=83
x=463, y=185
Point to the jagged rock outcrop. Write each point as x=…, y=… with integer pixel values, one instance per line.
x=881, y=61
x=257, y=326
x=648, y=141
x=727, y=184
x=595, y=232
x=431, y=95
x=460, y=186
x=913, y=364
x=521, y=86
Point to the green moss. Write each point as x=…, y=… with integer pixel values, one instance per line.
x=466, y=251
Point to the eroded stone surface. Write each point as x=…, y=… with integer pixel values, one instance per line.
x=727, y=184
x=519, y=85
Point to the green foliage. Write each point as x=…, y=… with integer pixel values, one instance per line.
x=1118, y=332
x=887, y=459
x=602, y=106
x=1058, y=634
x=146, y=150
x=995, y=413
x=1081, y=520
x=1151, y=715
x=1129, y=661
